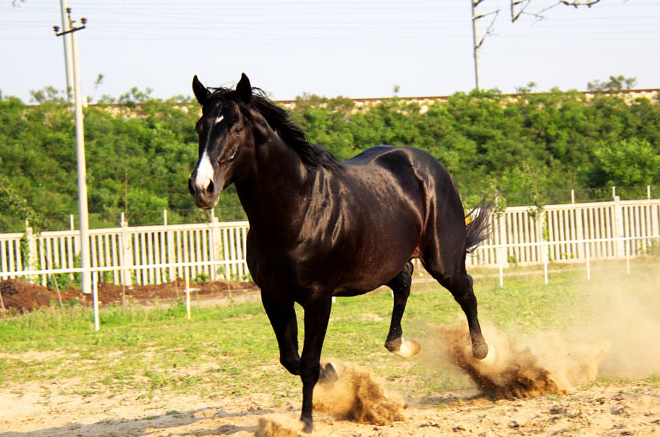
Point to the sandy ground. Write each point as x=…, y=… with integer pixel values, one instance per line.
x=541, y=382
x=602, y=409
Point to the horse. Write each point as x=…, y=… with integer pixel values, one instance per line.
x=320, y=227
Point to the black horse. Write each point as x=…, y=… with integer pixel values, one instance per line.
x=320, y=227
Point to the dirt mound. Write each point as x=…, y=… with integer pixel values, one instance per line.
x=112, y=293
x=279, y=427
x=357, y=396
x=20, y=296
x=546, y=365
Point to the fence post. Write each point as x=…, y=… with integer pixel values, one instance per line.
x=618, y=226
x=187, y=291
x=32, y=249
x=655, y=214
x=216, y=245
x=579, y=231
x=500, y=256
x=95, y=297
x=627, y=249
x=545, y=247
x=503, y=238
x=540, y=236
x=126, y=259
x=171, y=254
x=588, y=261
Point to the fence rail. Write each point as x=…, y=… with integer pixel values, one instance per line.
x=612, y=229
x=156, y=254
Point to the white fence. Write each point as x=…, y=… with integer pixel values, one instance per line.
x=140, y=255
x=608, y=230
x=156, y=254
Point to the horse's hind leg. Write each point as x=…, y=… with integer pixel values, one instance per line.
x=460, y=286
x=395, y=342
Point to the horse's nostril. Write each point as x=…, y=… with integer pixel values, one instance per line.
x=209, y=189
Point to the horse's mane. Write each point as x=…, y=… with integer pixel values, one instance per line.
x=312, y=156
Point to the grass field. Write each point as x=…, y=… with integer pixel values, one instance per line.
x=230, y=349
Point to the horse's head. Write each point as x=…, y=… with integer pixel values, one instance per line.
x=224, y=140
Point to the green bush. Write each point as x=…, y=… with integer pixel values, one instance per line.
x=532, y=150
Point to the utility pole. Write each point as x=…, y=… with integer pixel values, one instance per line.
x=478, y=42
x=476, y=45
x=80, y=150
x=68, y=67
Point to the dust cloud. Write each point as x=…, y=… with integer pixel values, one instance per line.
x=612, y=330
x=625, y=311
x=357, y=395
x=514, y=370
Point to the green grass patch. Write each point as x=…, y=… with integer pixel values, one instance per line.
x=231, y=349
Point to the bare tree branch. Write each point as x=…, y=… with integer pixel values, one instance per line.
x=518, y=7
x=578, y=3
x=522, y=4
x=489, y=29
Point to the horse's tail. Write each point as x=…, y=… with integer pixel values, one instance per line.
x=478, y=228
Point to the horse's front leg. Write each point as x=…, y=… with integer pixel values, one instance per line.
x=282, y=316
x=395, y=342
x=317, y=313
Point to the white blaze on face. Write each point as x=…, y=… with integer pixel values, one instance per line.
x=204, y=172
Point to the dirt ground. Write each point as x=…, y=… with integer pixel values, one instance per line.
x=611, y=409
x=21, y=296
x=548, y=406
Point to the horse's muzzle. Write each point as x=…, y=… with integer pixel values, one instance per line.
x=205, y=198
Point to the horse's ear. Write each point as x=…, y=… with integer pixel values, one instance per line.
x=201, y=92
x=244, y=89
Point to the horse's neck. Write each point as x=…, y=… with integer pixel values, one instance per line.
x=276, y=191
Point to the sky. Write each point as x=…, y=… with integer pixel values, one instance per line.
x=352, y=48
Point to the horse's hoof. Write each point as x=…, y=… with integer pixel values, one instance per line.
x=328, y=374
x=408, y=348
x=308, y=424
x=492, y=357
x=479, y=349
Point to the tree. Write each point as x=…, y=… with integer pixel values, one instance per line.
x=48, y=94
x=615, y=84
x=627, y=163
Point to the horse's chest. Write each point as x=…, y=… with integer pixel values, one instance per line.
x=295, y=264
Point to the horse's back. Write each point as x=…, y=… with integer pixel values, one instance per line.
x=424, y=184
x=411, y=167
x=401, y=160
x=408, y=200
